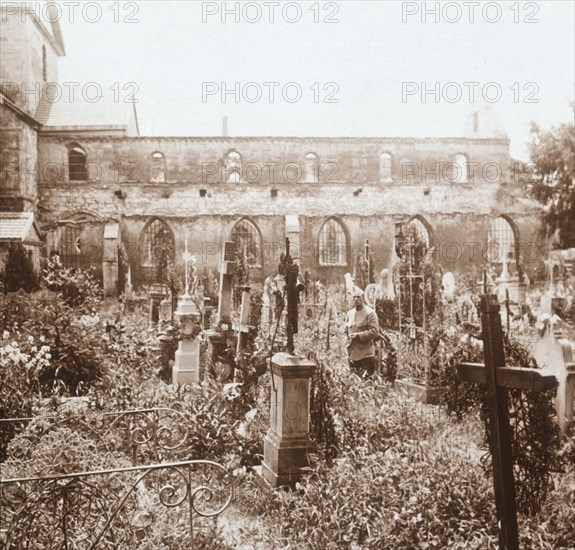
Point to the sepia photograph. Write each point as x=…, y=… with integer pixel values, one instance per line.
x=287, y=275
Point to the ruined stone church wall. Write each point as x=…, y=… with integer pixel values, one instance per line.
x=457, y=213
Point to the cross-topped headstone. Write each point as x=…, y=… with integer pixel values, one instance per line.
x=497, y=379
x=227, y=270
x=243, y=327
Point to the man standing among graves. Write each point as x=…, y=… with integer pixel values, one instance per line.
x=362, y=328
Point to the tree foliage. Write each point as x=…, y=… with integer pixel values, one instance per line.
x=553, y=154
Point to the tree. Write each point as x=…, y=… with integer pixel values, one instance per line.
x=19, y=271
x=553, y=154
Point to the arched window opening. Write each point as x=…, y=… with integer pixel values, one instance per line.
x=501, y=242
x=158, y=250
x=77, y=169
x=247, y=238
x=233, y=167
x=421, y=230
x=460, y=169
x=158, y=173
x=385, y=168
x=311, y=168
x=332, y=244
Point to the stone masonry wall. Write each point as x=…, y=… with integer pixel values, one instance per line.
x=458, y=214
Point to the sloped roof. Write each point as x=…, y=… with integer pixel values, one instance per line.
x=60, y=113
x=17, y=226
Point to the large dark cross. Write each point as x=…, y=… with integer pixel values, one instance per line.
x=294, y=286
x=498, y=379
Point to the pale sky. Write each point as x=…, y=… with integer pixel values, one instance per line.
x=172, y=52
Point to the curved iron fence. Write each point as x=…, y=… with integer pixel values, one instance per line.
x=113, y=508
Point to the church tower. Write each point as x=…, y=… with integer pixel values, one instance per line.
x=30, y=46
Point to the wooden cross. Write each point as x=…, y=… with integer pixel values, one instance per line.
x=498, y=378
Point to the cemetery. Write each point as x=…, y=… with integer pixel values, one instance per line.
x=345, y=323
x=215, y=411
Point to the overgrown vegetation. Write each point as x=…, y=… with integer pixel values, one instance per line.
x=388, y=472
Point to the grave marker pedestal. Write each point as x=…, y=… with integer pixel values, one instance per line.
x=187, y=367
x=287, y=443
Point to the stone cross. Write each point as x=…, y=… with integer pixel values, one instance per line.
x=498, y=378
x=227, y=270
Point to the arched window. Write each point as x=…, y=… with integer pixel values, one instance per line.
x=501, y=242
x=233, y=167
x=311, y=168
x=158, y=172
x=77, y=170
x=385, y=168
x=247, y=238
x=332, y=244
x=158, y=249
x=460, y=169
x=421, y=230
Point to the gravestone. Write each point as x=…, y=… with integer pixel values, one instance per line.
x=227, y=270
x=110, y=259
x=556, y=355
x=243, y=328
x=266, y=317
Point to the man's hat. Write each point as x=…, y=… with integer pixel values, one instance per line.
x=356, y=292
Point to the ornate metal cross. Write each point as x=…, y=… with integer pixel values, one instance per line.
x=290, y=272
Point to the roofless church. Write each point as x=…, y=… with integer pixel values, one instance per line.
x=78, y=178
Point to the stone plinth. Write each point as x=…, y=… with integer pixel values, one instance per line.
x=187, y=367
x=287, y=443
